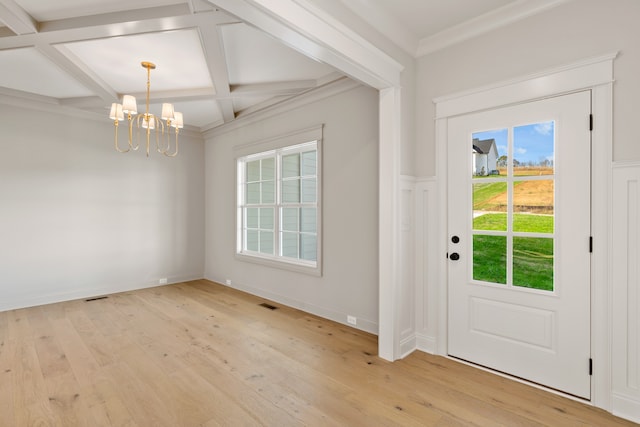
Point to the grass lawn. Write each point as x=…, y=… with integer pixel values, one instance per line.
x=521, y=222
x=532, y=256
x=484, y=193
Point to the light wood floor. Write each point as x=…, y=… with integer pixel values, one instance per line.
x=201, y=354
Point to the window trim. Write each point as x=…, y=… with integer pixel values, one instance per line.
x=277, y=146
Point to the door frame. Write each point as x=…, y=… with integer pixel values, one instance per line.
x=596, y=75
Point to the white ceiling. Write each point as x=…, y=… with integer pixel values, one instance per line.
x=86, y=54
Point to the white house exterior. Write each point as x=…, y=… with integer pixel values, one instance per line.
x=485, y=156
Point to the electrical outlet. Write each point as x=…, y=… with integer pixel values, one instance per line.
x=228, y=282
x=162, y=281
x=352, y=320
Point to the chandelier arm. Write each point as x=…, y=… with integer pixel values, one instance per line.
x=175, y=153
x=115, y=140
x=163, y=150
x=131, y=122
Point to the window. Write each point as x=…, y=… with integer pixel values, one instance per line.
x=278, y=206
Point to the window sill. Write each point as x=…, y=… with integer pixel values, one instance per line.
x=283, y=264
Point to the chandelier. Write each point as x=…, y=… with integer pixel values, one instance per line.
x=147, y=122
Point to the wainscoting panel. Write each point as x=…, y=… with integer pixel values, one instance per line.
x=426, y=239
x=625, y=299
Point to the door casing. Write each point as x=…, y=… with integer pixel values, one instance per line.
x=595, y=74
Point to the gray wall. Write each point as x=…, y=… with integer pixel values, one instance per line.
x=571, y=32
x=78, y=219
x=349, y=284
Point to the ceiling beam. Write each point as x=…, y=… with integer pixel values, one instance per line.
x=79, y=72
x=217, y=63
x=304, y=27
x=16, y=18
x=272, y=89
x=106, y=30
x=177, y=95
x=112, y=18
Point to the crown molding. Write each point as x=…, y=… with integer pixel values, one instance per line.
x=482, y=24
x=50, y=105
x=338, y=86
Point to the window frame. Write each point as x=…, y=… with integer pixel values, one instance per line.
x=276, y=148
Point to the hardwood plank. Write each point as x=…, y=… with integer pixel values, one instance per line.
x=6, y=381
x=202, y=354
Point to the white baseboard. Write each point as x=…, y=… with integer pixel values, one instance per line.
x=363, y=324
x=24, y=301
x=427, y=344
x=625, y=407
x=407, y=346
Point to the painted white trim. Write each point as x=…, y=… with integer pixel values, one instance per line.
x=389, y=224
x=625, y=407
x=512, y=12
x=625, y=290
x=595, y=74
x=304, y=27
x=625, y=164
x=569, y=78
x=314, y=95
x=601, y=214
x=425, y=261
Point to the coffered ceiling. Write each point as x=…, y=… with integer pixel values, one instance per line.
x=85, y=54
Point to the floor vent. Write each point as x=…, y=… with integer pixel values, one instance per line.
x=95, y=299
x=269, y=306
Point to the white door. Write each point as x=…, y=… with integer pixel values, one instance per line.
x=519, y=241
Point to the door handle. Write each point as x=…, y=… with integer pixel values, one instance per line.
x=454, y=256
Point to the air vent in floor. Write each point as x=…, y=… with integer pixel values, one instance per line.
x=95, y=299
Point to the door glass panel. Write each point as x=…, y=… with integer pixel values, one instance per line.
x=489, y=153
x=490, y=206
x=533, y=263
x=490, y=258
x=533, y=206
x=533, y=149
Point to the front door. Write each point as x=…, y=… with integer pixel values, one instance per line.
x=519, y=241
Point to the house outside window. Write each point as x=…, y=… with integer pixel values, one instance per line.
x=278, y=212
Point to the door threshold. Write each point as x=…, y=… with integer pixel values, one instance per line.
x=521, y=380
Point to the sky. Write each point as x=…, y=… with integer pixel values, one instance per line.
x=532, y=142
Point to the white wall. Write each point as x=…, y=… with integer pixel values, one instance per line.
x=349, y=284
x=78, y=219
x=565, y=34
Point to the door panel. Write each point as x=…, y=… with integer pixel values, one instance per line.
x=519, y=274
